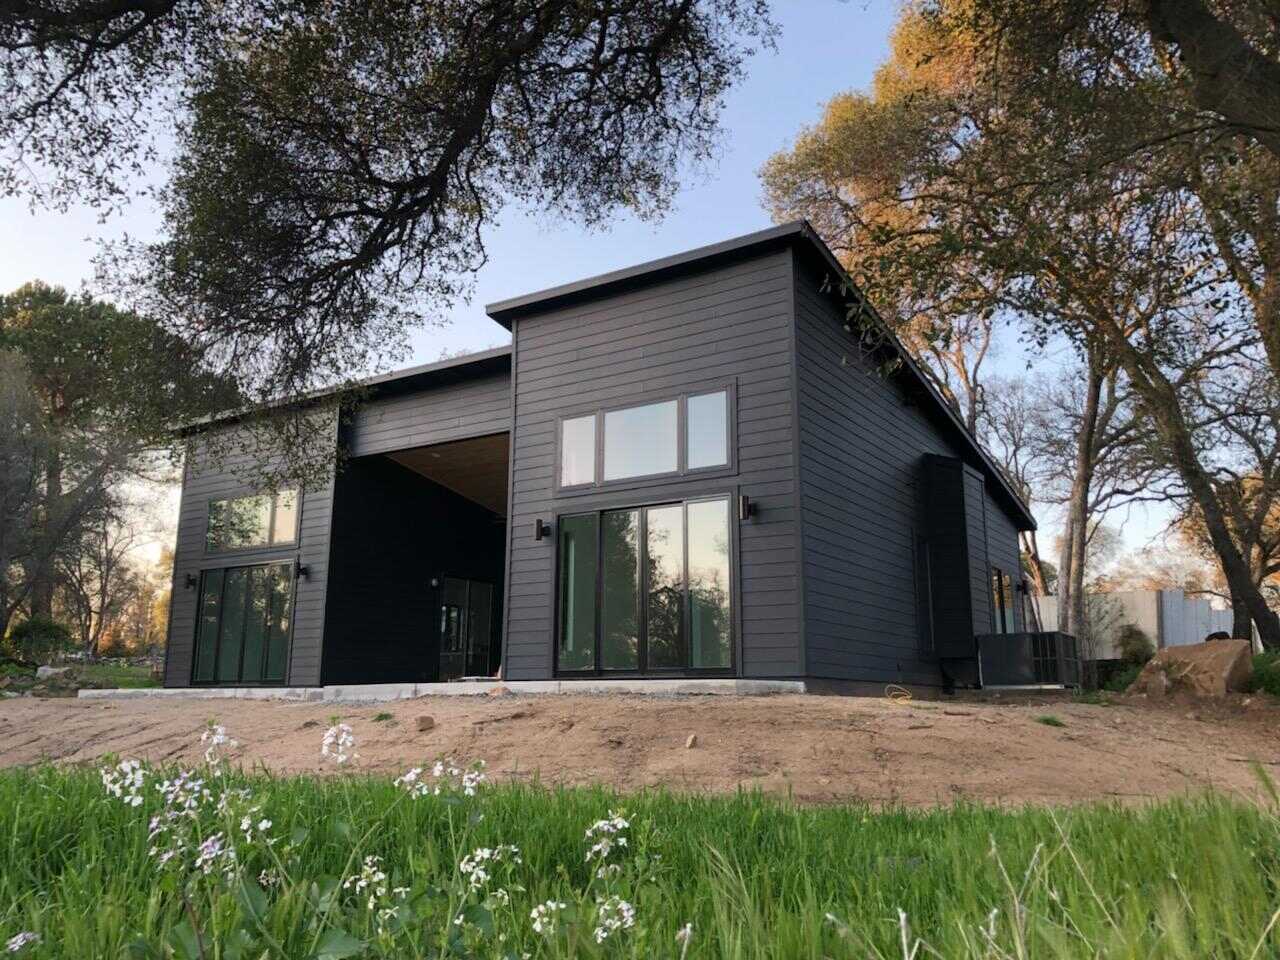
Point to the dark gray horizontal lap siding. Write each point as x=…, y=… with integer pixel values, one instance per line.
x=861, y=448
x=975, y=505
x=473, y=408
x=1004, y=550
x=729, y=324
x=234, y=476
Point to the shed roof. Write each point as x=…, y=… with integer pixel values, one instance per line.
x=799, y=235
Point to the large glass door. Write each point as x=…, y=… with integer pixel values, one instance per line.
x=646, y=590
x=246, y=613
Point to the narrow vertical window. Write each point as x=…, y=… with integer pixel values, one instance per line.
x=665, y=569
x=709, y=584
x=578, y=451
x=207, y=630
x=284, y=522
x=231, y=634
x=620, y=613
x=707, y=430
x=1001, y=602
x=578, y=537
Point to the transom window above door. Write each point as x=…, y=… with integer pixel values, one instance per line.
x=681, y=435
x=254, y=521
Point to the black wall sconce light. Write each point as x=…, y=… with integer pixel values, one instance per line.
x=303, y=572
x=541, y=529
x=190, y=581
x=746, y=507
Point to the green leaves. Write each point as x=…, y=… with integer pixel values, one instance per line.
x=337, y=944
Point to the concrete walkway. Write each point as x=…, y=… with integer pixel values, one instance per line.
x=381, y=692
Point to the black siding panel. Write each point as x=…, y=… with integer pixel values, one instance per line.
x=954, y=543
x=730, y=323
x=394, y=531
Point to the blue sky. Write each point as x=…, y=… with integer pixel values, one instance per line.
x=826, y=46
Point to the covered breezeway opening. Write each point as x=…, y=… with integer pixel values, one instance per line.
x=416, y=564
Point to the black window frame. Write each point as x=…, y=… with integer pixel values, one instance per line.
x=642, y=670
x=291, y=543
x=292, y=566
x=682, y=471
x=1001, y=603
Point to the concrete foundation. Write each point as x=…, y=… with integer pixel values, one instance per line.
x=381, y=692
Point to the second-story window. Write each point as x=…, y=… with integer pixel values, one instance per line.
x=257, y=520
x=681, y=435
x=641, y=441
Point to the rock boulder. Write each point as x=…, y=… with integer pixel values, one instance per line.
x=1211, y=669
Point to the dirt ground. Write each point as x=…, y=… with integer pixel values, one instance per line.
x=819, y=749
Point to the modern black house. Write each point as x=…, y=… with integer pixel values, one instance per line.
x=688, y=468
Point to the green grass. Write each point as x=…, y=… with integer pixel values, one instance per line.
x=1122, y=679
x=1049, y=720
x=1266, y=673
x=116, y=675
x=756, y=877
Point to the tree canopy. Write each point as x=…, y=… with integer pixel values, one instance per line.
x=334, y=164
x=1071, y=197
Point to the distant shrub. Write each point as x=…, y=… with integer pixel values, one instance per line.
x=1266, y=673
x=1134, y=645
x=1123, y=678
x=37, y=640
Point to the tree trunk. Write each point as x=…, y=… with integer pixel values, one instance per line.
x=1071, y=599
x=1035, y=572
x=1228, y=75
x=42, y=585
x=1241, y=622
x=1162, y=403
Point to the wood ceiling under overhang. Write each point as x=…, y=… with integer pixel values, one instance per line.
x=474, y=468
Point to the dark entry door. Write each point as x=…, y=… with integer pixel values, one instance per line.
x=466, y=628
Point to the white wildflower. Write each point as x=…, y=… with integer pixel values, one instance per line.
x=447, y=776
x=217, y=743
x=371, y=876
x=125, y=781
x=213, y=850
x=499, y=898
x=20, y=940
x=476, y=865
x=607, y=834
x=339, y=744
x=612, y=915
x=684, y=937
x=544, y=916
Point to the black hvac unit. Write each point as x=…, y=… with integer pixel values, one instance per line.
x=1029, y=660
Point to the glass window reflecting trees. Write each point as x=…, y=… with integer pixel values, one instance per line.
x=258, y=520
x=646, y=589
x=683, y=435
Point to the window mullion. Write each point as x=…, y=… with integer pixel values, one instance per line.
x=686, y=612
x=598, y=662
x=642, y=593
